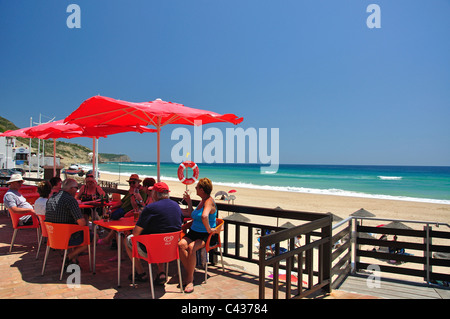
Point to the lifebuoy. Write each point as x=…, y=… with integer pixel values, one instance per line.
x=182, y=167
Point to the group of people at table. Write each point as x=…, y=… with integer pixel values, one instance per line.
x=60, y=202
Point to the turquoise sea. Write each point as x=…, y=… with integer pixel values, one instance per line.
x=414, y=183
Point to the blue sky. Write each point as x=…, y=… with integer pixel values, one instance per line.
x=339, y=92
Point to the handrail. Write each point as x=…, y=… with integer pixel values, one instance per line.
x=391, y=220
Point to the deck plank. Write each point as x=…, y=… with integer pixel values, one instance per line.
x=391, y=289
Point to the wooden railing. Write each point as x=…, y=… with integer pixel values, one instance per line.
x=315, y=230
x=416, y=254
x=298, y=260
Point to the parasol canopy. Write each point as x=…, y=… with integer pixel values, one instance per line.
x=16, y=133
x=59, y=129
x=100, y=110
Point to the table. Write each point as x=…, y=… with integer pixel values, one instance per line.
x=120, y=226
x=93, y=204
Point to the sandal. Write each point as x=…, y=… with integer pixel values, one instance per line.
x=189, y=288
x=160, y=281
x=138, y=277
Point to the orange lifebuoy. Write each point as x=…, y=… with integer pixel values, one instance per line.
x=182, y=178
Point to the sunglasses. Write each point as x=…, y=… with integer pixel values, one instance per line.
x=133, y=182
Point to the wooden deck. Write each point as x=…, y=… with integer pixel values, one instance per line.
x=392, y=288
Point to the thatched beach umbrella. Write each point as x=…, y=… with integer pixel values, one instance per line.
x=287, y=225
x=335, y=218
x=362, y=213
x=396, y=225
x=237, y=217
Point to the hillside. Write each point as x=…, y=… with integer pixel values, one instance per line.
x=69, y=152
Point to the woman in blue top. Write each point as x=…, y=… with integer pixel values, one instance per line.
x=204, y=220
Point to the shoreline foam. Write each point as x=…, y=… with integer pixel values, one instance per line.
x=305, y=190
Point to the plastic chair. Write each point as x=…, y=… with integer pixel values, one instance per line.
x=58, y=238
x=15, y=218
x=161, y=248
x=216, y=230
x=43, y=232
x=116, y=197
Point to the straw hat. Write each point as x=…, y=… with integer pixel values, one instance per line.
x=134, y=177
x=15, y=178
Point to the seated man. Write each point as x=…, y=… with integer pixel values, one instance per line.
x=15, y=201
x=134, y=199
x=62, y=208
x=162, y=216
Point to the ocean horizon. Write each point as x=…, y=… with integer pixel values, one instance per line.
x=409, y=183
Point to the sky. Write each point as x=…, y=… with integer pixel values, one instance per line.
x=338, y=91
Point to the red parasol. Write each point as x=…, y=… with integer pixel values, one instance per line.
x=16, y=133
x=99, y=110
x=59, y=129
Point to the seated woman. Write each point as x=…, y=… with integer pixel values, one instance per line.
x=204, y=220
x=55, y=182
x=44, y=189
x=132, y=201
x=147, y=186
x=89, y=192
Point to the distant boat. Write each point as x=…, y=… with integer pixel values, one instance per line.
x=74, y=169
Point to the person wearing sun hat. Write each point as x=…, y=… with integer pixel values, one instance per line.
x=163, y=215
x=14, y=200
x=135, y=197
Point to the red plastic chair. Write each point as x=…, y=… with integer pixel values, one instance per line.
x=58, y=238
x=216, y=230
x=43, y=232
x=161, y=248
x=15, y=218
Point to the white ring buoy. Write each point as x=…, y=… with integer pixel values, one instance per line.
x=182, y=178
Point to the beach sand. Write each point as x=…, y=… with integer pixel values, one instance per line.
x=341, y=206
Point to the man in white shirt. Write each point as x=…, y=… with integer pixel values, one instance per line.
x=14, y=200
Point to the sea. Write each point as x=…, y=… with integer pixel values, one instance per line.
x=429, y=184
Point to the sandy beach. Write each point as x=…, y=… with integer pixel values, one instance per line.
x=341, y=206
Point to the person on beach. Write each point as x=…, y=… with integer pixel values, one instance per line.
x=14, y=200
x=163, y=215
x=204, y=220
x=132, y=201
x=62, y=208
x=44, y=189
x=90, y=191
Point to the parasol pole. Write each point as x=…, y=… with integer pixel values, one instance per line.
x=54, y=157
x=96, y=159
x=158, y=164
x=93, y=157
